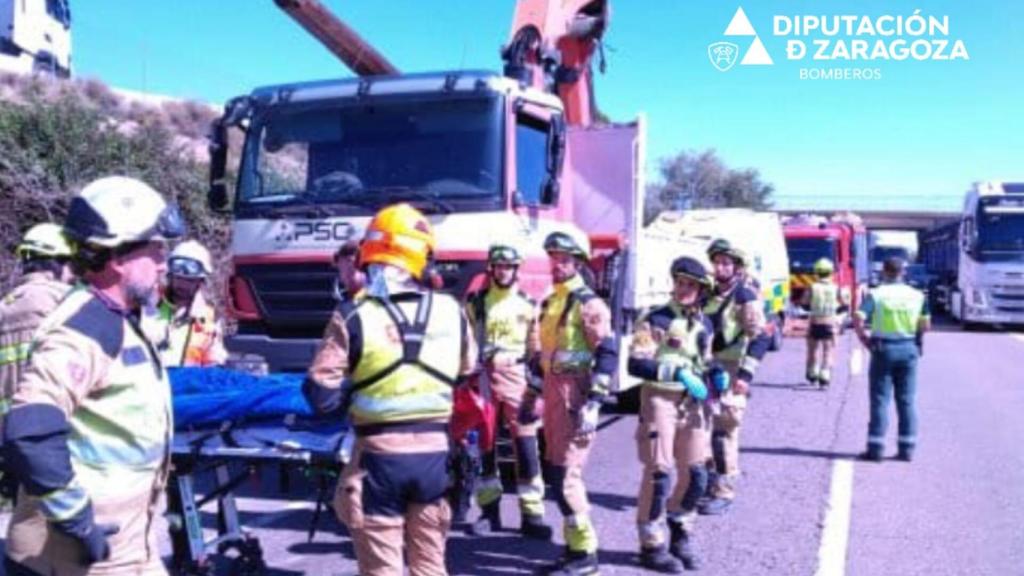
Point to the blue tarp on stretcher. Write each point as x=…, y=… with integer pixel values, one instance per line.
x=210, y=396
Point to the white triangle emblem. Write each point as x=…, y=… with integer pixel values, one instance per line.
x=756, y=55
x=740, y=25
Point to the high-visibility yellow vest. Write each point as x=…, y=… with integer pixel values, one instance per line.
x=564, y=347
x=824, y=299
x=681, y=344
x=503, y=315
x=410, y=358
x=898, y=308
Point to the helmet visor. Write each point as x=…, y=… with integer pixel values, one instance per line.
x=185, y=268
x=504, y=255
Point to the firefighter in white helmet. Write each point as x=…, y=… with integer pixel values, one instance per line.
x=191, y=334
x=90, y=424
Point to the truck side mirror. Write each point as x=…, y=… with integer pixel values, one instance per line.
x=551, y=191
x=217, y=195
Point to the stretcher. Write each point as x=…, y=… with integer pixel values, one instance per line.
x=212, y=460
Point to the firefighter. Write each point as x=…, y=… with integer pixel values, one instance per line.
x=503, y=317
x=575, y=355
x=825, y=303
x=891, y=324
x=389, y=359
x=740, y=342
x=671, y=354
x=45, y=255
x=90, y=425
x=350, y=278
x=190, y=333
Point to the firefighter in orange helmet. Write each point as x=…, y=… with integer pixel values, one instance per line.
x=390, y=357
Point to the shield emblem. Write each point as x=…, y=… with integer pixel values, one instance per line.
x=723, y=55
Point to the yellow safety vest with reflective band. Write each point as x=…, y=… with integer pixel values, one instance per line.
x=410, y=358
x=824, y=299
x=722, y=309
x=897, y=311
x=564, y=347
x=680, y=344
x=506, y=314
x=121, y=431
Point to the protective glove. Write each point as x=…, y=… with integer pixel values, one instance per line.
x=695, y=386
x=588, y=418
x=528, y=409
x=90, y=536
x=719, y=378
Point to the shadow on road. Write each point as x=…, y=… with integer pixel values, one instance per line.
x=614, y=502
x=789, y=451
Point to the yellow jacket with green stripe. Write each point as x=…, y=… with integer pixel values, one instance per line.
x=21, y=312
x=92, y=363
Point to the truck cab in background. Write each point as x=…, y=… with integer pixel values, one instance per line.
x=843, y=240
x=35, y=37
x=979, y=259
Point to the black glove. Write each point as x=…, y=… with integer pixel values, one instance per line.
x=91, y=536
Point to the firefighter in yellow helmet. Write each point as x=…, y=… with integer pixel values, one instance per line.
x=575, y=357
x=825, y=302
x=389, y=359
x=190, y=333
x=740, y=342
x=45, y=255
x=90, y=424
x=504, y=319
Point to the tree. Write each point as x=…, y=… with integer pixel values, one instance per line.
x=702, y=180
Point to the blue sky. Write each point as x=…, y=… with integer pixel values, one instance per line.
x=916, y=138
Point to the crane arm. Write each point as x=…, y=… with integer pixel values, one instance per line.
x=338, y=37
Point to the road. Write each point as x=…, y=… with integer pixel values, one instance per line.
x=805, y=506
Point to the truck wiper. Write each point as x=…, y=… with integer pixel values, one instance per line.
x=406, y=192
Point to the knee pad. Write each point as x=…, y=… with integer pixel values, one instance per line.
x=698, y=485
x=558, y=487
x=718, y=449
x=660, y=488
x=527, y=458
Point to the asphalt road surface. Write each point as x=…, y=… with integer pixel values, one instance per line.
x=805, y=506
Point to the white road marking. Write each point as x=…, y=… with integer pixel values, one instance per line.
x=1018, y=337
x=856, y=359
x=835, y=533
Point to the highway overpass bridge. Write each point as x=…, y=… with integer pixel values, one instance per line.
x=909, y=220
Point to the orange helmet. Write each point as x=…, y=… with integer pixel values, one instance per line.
x=401, y=236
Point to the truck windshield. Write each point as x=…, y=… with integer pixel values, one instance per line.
x=1001, y=231
x=440, y=155
x=804, y=252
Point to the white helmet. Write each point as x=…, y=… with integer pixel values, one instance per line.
x=116, y=210
x=190, y=259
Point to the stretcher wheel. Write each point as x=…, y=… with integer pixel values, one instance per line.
x=250, y=559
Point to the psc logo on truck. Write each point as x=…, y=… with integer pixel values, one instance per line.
x=296, y=233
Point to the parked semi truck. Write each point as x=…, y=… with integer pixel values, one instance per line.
x=978, y=260
x=842, y=239
x=35, y=36
x=488, y=157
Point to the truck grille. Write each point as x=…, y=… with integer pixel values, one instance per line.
x=292, y=295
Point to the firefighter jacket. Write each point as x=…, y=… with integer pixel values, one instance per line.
x=90, y=424
x=824, y=295
x=575, y=336
x=190, y=335
x=21, y=313
x=737, y=314
x=667, y=339
x=503, y=320
x=393, y=360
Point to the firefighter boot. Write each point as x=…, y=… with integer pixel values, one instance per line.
x=489, y=520
x=658, y=559
x=534, y=527
x=680, y=546
x=825, y=378
x=575, y=564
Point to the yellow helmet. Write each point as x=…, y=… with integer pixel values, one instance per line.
x=44, y=240
x=401, y=236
